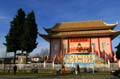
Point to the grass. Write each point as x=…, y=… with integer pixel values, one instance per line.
x=49, y=73
x=43, y=73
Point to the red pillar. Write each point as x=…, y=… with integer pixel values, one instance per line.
x=68, y=50
x=50, y=49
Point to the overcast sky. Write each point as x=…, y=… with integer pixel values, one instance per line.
x=50, y=12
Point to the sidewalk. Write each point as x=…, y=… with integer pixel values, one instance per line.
x=60, y=77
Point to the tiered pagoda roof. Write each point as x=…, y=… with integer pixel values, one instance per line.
x=96, y=28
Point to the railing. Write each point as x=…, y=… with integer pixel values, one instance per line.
x=6, y=67
x=30, y=66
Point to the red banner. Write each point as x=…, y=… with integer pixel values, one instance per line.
x=80, y=40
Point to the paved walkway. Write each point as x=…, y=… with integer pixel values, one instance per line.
x=58, y=77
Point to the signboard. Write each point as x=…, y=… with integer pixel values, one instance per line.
x=83, y=59
x=79, y=45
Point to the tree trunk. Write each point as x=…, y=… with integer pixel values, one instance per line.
x=14, y=58
x=26, y=57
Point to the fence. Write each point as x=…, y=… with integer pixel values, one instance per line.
x=30, y=66
x=6, y=67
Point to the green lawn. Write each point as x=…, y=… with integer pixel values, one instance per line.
x=52, y=73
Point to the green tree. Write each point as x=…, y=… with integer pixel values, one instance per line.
x=22, y=34
x=118, y=54
x=13, y=38
x=29, y=34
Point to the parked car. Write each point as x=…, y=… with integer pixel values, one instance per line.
x=115, y=72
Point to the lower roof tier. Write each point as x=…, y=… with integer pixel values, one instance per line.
x=95, y=33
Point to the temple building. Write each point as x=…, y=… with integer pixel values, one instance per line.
x=81, y=38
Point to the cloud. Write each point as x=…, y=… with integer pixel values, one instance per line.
x=3, y=18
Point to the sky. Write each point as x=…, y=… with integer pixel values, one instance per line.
x=50, y=12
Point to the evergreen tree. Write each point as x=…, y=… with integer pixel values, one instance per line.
x=30, y=34
x=118, y=54
x=22, y=34
x=13, y=38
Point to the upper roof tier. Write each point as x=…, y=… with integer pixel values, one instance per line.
x=84, y=25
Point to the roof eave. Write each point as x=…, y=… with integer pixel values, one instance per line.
x=44, y=36
x=110, y=34
x=115, y=34
x=112, y=25
x=48, y=30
